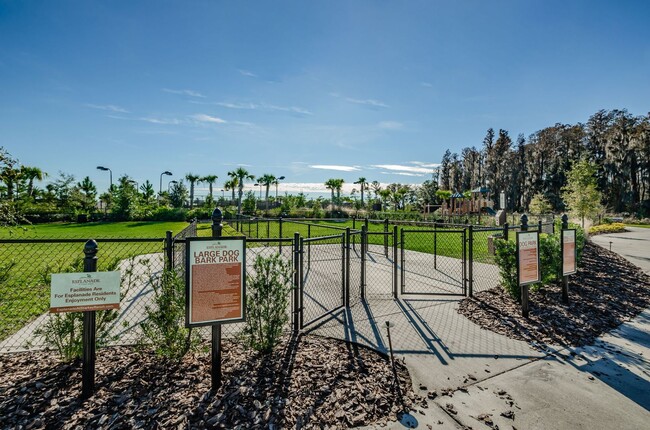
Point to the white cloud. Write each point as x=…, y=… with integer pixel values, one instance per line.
x=264, y=106
x=190, y=93
x=368, y=102
x=110, y=108
x=335, y=167
x=164, y=121
x=403, y=174
x=426, y=84
x=390, y=125
x=201, y=117
x=247, y=73
x=405, y=169
x=420, y=163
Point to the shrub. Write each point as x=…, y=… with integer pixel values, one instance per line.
x=164, y=327
x=506, y=259
x=267, y=301
x=616, y=227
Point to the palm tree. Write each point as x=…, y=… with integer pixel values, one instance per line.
x=330, y=184
x=267, y=179
x=192, y=179
x=242, y=175
x=30, y=173
x=384, y=195
x=362, y=182
x=231, y=185
x=210, y=180
x=10, y=177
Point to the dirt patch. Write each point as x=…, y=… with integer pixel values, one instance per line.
x=607, y=291
x=308, y=382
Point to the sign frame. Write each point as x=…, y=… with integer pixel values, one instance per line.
x=570, y=231
x=188, y=280
x=88, y=283
x=539, y=269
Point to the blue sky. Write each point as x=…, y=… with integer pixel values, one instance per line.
x=306, y=89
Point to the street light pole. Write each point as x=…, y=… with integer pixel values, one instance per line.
x=109, y=171
x=277, y=181
x=166, y=172
x=169, y=184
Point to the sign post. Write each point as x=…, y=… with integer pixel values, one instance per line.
x=528, y=268
x=86, y=292
x=215, y=286
x=569, y=257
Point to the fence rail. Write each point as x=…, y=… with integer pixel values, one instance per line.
x=335, y=266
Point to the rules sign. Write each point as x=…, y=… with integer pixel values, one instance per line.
x=568, y=252
x=215, y=281
x=87, y=291
x=528, y=270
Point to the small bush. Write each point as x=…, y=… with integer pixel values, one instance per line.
x=164, y=327
x=267, y=301
x=616, y=227
x=506, y=259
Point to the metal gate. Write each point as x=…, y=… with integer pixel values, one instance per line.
x=433, y=262
x=322, y=277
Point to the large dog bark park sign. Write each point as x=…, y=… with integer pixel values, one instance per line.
x=569, y=252
x=216, y=281
x=83, y=292
x=528, y=270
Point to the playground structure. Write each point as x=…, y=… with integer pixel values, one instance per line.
x=460, y=205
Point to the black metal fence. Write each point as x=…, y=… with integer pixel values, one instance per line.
x=335, y=266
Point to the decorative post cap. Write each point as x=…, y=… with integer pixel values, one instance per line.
x=90, y=248
x=217, y=216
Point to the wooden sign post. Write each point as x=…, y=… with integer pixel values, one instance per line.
x=215, y=288
x=528, y=268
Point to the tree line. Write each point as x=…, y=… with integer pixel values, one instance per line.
x=615, y=141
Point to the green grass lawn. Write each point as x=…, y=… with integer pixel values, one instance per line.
x=93, y=230
x=25, y=268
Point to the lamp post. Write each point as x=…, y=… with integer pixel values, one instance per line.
x=137, y=186
x=109, y=171
x=169, y=184
x=277, y=181
x=166, y=172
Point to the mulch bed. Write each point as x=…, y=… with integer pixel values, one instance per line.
x=607, y=291
x=308, y=382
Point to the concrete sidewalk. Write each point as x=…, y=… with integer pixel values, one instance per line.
x=494, y=380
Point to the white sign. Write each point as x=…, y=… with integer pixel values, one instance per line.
x=502, y=200
x=86, y=291
x=216, y=284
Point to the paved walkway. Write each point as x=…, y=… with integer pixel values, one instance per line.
x=602, y=386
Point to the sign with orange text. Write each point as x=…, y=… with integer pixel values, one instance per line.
x=215, y=281
x=528, y=270
x=569, y=253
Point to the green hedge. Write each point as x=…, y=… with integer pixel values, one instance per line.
x=549, y=255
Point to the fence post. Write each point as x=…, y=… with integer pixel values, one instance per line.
x=169, y=250
x=354, y=238
x=347, y=267
x=365, y=222
x=88, y=369
x=296, y=283
x=395, y=267
x=435, y=245
x=386, y=237
x=217, y=230
x=539, y=226
x=470, y=257
x=505, y=231
x=364, y=244
x=402, y=258
x=524, y=289
x=301, y=285
x=565, y=279
x=280, y=232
